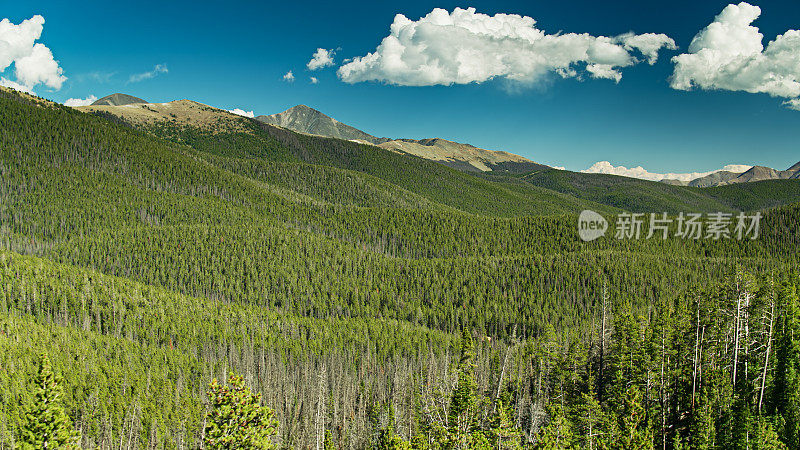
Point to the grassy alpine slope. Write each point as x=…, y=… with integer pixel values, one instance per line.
x=154, y=263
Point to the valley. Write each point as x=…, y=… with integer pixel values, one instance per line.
x=160, y=245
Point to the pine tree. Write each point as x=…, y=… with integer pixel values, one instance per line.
x=557, y=434
x=502, y=432
x=46, y=424
x=633, y=431
x=387, y=438
x=463, y=413
x=329, y=445
x=786, y=393
x=702, y=428
x=237, y=419
x=590, y=417
x=766, y=438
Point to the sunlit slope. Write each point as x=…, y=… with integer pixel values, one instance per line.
x=232, y=140
x=224, y=135
x=138, y=358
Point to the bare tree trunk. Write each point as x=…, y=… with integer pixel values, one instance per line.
x=700, y=359
x=736, y=333
x=766, y=357
x=320, y=419
x=601, y=374
x=503, y=370
x=696, y=352
x=662, y=396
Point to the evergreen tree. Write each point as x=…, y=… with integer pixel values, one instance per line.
x=329, y=445
x=387, y=438
x=766, y=438
x=46, y=424
x=557, y=434
x=502, y=432
x=702, y=429
x=632, y=432
x=786, y=393
x=237, y=419
x=590, y=418
x=463, y=413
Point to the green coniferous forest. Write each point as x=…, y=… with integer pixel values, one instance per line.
x=364, y=298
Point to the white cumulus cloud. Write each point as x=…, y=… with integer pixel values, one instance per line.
x=157, y=69
x=729, y=55
x=792, y=104
x=464, y=47
x=33, y=62
x=642, y=173
x=314, y=80
x=5, y=82
x=289, y=76
x=241, y=112
x=321, y=58
x=80, y=101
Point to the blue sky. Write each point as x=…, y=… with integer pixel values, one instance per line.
x=234, y=55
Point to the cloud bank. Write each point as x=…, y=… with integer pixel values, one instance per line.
x=33, y=62
x=642, y=173
x=241, y=112
x=289, y=76
x=468, y=47
x=322, y=58
x=157, y=70
x=729, y=55
x=81, y=101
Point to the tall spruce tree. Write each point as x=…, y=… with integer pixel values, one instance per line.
x=557, y=434
x=46, y=424
x=237, y=419
x=463, y=402
x=634, y=432
x=786, y=392
x=503, y=435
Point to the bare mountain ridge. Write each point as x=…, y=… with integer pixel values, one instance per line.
x=755, y=173
x=304, y=119
x=760, y=173
x=465, y=157
x=714, y=179
x=118, y=100
x=307, y=120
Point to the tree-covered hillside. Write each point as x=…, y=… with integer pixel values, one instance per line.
x=636, y=195
x=503, y=195
x=373, y=299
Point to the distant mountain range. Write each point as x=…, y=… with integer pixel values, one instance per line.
x=179, y=112
x=465, y=157
x=304, y=119
x=307, y=120
x=316, y=170
x=755, y=173
x=118, y=100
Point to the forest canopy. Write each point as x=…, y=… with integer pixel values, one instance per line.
x=368, y=299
